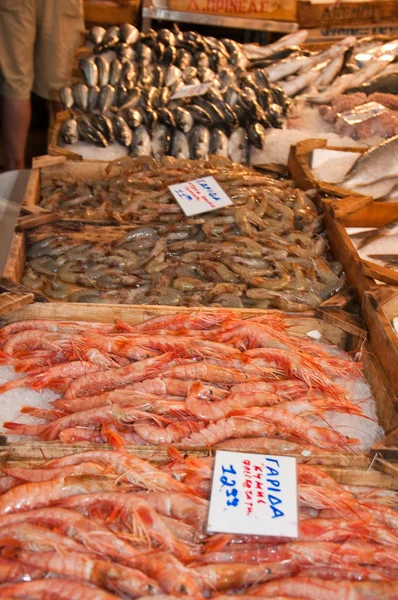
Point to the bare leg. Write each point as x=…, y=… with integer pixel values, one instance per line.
x=15, y=120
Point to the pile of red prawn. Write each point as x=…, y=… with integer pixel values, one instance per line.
x=188, y=379
x=100, y=525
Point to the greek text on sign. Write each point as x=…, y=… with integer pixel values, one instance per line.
x=199, y=196
x=254, y=494
x=197, y=89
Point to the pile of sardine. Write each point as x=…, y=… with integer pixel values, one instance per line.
x=267, y=250
x=128, y=96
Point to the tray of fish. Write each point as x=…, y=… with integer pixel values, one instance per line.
x=135, y=99
x=268, y=249
x=156, y=376
x=380, y=312
x=360, y=227
x=103, y=525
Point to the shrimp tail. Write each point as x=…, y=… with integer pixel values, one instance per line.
x=47, y=415
x=21, y=429
x=122, y=326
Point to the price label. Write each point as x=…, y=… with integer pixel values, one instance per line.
x=254, y=494
x=199, y=196
x=367, y=111
x=187, y=91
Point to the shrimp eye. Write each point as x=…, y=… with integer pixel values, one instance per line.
x=183, y=589
x=268, y=571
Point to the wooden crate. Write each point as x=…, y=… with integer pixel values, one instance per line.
x=378, y=310
x=106, y=12
x=333, y=14
x=350, y=210
x=334, y=328
x=277, y=10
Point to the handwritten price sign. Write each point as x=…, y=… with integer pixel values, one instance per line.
x=199, y=196
x=254, y=494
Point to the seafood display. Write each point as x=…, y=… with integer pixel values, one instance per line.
x=378, y=245
x=134, y=93
x=103, y=524
x=190, y=379
x=266, y=250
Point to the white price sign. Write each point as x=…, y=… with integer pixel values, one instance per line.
x=254, y=494
x=199, y=196
x=187, y=91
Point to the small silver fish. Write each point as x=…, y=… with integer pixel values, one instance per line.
x=179, y=145
x=122, y=131
x=103, y=70
x=218, y=143
x=92, y=98
x=90, y=71
x=380, y=162
x=199, y=142
x=129, y=34
x=115, y=72
x=66, y=97
x=160, y=141
x=104, y=125
x=141, y=145
x=96, y=34
x=111, y=37
x=183, y=119
x=128, y=76
x=238, y=147
x=173, y=75
x=134, y=118
x=106, y=97
x=80, y=95
x=69, y=131
x=88, y=133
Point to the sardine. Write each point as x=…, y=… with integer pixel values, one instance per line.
x=199, y=142
x=238, y=147
x=104, y=125
x=125, y=53
x=80, y=95
x=96, y=34
x=66, y=97
x=141, y=145
x=257, y=135
x=167, y=37
x=218, y=143
x=103, y=70
x=88, y=133
x=179, y=145
x=128, y=75
x=69, y=131
x=173, y=75
x=129, y=34
x=122, y=131
x=106, y=97
x=183, y=59
x=134, y=118
x=160, y=141
x=111, y=37
x=166, y=117
x=92, y=99
x=115, y=72
x=183, y=119
x=90, y=71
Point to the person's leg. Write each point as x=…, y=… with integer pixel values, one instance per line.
x=15, y=120
x=17, y=37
